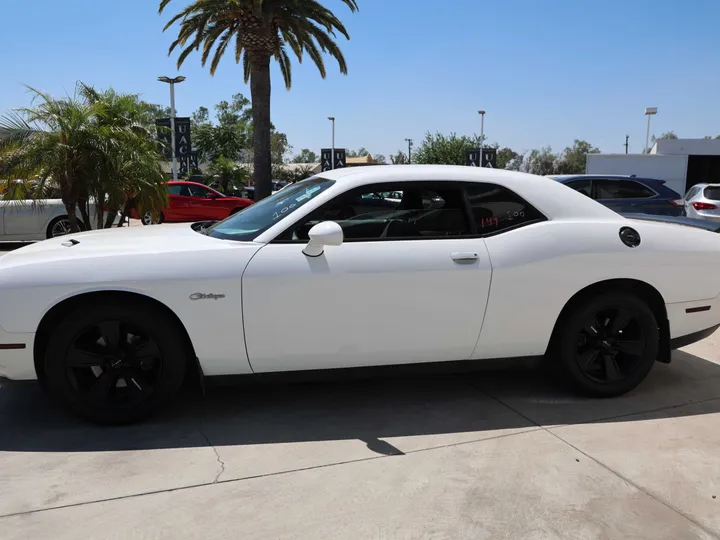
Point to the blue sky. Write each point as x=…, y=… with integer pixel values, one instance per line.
x=546, y=71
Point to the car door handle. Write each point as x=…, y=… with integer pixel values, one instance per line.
x=464, y=256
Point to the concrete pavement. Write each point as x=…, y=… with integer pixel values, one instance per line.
x=492, y=455
x=497, y=454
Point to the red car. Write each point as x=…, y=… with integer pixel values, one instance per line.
x=190, y=201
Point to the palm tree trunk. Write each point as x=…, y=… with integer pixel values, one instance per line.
x=82, y=206
x=111, y=215
x=70, y=208
x=260, y=94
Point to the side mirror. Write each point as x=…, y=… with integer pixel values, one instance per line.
x=327, y=233
x=212, y=196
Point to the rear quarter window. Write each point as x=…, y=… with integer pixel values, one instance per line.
x=712, y=193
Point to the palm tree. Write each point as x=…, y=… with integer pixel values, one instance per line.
x=262, y=29
x=92, y=146
x=56, y=142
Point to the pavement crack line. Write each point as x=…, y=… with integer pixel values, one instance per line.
x=257, y=476
x=602, y=464
x=217, y=455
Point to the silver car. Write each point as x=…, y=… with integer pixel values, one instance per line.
x=705, y=200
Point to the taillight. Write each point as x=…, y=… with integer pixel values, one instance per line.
x=678, y=202
x=703, y=206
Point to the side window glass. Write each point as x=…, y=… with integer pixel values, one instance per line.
x=582, y=186
x=175, y=189
x=197, y=191
x=411, y=212
x=622, y=189
x=497, y=209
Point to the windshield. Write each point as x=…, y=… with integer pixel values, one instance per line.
x=247, y=224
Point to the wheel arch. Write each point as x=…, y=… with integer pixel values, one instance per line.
x=62, y=308
x=51, y=221
x=643, y=290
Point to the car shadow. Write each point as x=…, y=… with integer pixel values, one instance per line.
x=371, y=410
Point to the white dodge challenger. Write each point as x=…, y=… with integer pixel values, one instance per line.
x=467, y=265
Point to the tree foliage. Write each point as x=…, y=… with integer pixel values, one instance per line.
x=444, y=149
x=306, y=156
x=93, y=146
x=573, y=160
x=261, y=30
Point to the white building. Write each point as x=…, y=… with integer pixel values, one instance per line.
x=682, y=163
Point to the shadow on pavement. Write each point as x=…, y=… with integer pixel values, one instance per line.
x=369, y=410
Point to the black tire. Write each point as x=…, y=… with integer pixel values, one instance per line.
x=52, y=226
x=606, y=345
x=146, y=219
x=120, y=384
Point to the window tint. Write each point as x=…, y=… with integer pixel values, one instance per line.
x=199, y=191
x=622, y=189
x=583, y=186
x=712, y=193
x=496, y=208
x=401, y=211
x=174, y=189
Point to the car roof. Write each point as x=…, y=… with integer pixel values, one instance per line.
x=566, y=177
x=550, y=197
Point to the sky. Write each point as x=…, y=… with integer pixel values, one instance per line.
x=546, y=71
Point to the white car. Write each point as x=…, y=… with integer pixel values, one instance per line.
x=27, y=220
x=471, y=264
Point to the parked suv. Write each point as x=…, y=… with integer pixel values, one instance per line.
x=705, y=200
x=628, y=194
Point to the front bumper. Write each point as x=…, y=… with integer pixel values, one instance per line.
x=17, y=363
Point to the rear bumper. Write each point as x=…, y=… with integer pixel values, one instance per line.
x=692, y=321
x=16, y=363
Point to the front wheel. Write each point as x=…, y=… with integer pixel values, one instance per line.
x=116, y=362
x=607, y=344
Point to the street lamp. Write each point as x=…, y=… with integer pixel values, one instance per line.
x=482, y=131
x=172, y=82
x=649, y=111
x=332, y=155
x=410, y=143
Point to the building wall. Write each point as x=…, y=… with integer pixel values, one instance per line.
x=693, y=147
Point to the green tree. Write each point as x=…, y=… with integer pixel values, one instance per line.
x=541, y=162
x=399, y=158
x=445, y=150
x=306, y=156
x=92, y=146
x=227, y=174
x=379, y=158
x=262, y=30
x=507, y=158
x=360, y=152
x=711, y=137
x=573, y=160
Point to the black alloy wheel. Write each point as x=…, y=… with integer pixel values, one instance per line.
x=610, y=345
x=115, y=360
x=607, y=344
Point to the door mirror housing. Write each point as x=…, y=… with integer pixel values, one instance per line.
x=327, y=233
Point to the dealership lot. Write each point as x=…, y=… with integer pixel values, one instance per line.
x=496, y=454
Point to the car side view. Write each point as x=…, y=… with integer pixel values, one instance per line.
x=359, y=267
x=191, y=201
x=628, y=193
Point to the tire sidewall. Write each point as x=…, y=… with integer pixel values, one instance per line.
x=153, y=321
x=567, y=346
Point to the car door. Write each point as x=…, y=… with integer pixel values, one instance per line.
x=623, y=195
x=204, y=203
x=27, y=219
x=409, y=284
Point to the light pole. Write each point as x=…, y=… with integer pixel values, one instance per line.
x=332, y=155
x=410, y=142
x=172, y=82
x=650, y=111
x=482, y=133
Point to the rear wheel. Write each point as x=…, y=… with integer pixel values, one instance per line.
x=115, y=363
x=60, y=226
x=607, y=344
x=148, y=219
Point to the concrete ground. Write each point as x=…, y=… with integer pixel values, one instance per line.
x=496, y=454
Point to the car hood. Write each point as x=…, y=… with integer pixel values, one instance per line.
x=120, y=242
